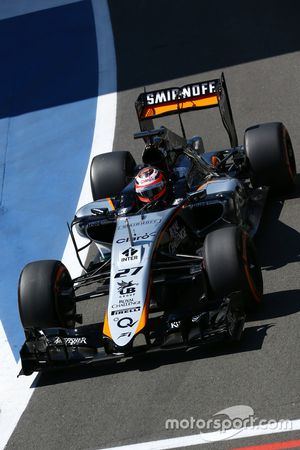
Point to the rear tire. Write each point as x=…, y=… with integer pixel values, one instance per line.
x=271, y=157
x=46, y=296
x=231, y=265
x=110, y=173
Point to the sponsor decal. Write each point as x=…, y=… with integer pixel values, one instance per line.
x=177, y=235
x=140, y=224
x=188, y=91
x=99, y=210
x=126, y=310
x=95, y=223
x=175, y=324
x=131, y=272
x=126, y=322
x=70, y=340
x=127, y=288
x=136, y=237
x=130, y=252
x=131, y=255
x=124, y=335
x=196, y=319
x=125, y=303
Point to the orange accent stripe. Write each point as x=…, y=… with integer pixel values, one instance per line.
x=144, y=315
x=272, y=446
x=110, y=203
x=166, y=226
x=249, y=278
x=203, y=185
x=157, y=110
x=214, y=161
x=106, y=329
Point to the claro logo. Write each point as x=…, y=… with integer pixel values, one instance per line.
x=135, y=238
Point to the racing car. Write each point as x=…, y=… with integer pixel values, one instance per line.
x=178, y=271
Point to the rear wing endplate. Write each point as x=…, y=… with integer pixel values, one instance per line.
x=202, y=95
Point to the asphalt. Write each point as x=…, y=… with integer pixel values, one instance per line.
x=162, y=44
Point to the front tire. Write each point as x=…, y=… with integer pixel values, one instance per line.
x=231, y=265
x=110, y=173
x=270, y=156
x=46, y=296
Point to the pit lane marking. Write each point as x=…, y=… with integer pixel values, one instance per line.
x=272, y=446
x=15, y=393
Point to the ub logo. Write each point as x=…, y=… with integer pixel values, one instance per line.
x=126, y=288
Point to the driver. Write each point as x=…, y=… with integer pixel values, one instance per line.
x=150, y=185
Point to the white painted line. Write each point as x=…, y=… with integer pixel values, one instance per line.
x=209, y=438
x=105, y=115
x=15, y=392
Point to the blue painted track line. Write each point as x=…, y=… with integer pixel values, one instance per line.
x=48, y=99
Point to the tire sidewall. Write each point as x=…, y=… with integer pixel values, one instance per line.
x=110, y=173
x=227, y=264
x=41, y=304
x=270, y=156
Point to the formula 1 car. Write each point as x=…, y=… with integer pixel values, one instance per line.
x=179, y=272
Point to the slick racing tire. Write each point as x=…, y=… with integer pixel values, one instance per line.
x=270, y=156
x=110, y=173
x=231, y=265
x=46, y=296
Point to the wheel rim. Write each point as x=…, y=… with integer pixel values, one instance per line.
x=252, y=269
x=65, y=307
x=291, y=162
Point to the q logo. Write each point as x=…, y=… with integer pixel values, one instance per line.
x=126, y=322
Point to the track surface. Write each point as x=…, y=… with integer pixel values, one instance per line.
x=172, y=43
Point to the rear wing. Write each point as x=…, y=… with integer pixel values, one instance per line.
x=202, y=95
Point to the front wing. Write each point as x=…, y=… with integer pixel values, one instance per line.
x=58, y=348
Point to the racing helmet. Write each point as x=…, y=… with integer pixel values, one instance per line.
x=150, y=184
